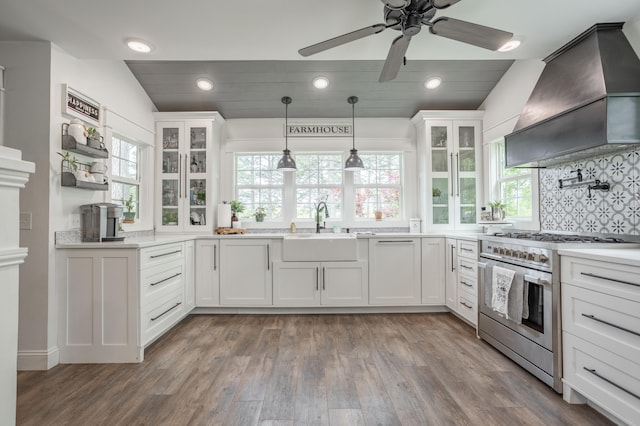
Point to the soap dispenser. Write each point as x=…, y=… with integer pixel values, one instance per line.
x=292, y=228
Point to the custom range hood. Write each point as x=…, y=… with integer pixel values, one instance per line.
x=586, y=102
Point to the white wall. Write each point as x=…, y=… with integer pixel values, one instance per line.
x=35, y=73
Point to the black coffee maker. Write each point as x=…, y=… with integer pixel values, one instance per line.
x=101, y=222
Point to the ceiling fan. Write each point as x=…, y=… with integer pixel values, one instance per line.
x=408, y=17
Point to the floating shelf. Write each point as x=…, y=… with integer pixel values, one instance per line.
x=68, y=179
x=70, y=144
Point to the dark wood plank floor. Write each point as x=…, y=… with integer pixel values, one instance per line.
x=391, y=369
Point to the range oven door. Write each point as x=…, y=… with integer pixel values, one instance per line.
x=537, y=300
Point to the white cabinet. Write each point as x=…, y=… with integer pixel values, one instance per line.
x=186, y=146
x=394, y=271
x=433, y=271
x=449, y=150
x=246, y=271
x=601, y=334
x=451, y=274
x=299, y=284
x=190, y=275
x=207, y=261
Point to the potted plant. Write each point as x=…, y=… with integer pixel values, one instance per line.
x=236, y=208
x=129, y=215
x=260, y=213
x=497, y=210
x=93, y=138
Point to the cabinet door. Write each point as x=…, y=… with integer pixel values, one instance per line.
x=199, y=144
x=394, y=271
x=344, y=283
x=433, y=267
x=189, y=279
x=467, y=164
x=296, y=283
x=441, y=166
x=170, y=170
x=207, y=272
x=245, y=272
x=451, y=274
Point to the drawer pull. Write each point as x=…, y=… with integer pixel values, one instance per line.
x=611, y=324
x=466, y=283
x=165, y=254
x=589, y=274
x=466, y=267
x=466, y=249
x=167, y=311
x=394, y=241
x=600, y=376
x=166, y=279
x=466, y=305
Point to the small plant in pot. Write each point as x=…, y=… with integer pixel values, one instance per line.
x=93, y=137
x=497, y=210
x=260, y=214
x=236, y=208
x=130, y=214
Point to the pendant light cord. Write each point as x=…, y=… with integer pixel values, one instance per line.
x=353, y=124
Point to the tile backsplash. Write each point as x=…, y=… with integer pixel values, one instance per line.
x=571, y=209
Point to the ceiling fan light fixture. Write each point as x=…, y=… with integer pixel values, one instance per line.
x=204, y=84
x=321, y=82
x=286, y=163
x=433, y=83
x=138, y=45
x=354, y=162
x=510, y=45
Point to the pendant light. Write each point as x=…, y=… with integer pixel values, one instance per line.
x=354, y=162
x=286, y=163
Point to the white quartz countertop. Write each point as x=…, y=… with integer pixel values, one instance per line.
x=131, y=242
x=627, y=255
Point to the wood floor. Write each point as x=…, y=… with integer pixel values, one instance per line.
x=390, y=369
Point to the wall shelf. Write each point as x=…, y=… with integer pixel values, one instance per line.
x=69, y=180
x=70, y=144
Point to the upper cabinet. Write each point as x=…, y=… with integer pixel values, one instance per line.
x=449, y=148
x=186, y=146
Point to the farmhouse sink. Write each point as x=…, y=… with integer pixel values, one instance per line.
x=319, y=247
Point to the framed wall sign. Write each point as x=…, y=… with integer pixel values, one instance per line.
x=319, y=129
x=80, y=106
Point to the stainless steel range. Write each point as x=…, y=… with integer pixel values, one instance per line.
x=533, y=341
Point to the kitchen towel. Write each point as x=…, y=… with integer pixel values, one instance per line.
x=515, y=301
x=500, y=285
x=224, y=216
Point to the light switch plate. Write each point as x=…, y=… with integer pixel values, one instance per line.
x=26, y=220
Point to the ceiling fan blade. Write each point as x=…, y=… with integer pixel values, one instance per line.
x=443, y=4
x=340, y=40
x=395, y=58
x=467, y=32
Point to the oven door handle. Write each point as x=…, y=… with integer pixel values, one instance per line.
x=536, y=280
x=491, y=256
x=481, y=265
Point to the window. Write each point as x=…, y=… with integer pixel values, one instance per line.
x=125, y=172
x=378, y=187
x=513, y=187
x=318, y=178
x=259, y=183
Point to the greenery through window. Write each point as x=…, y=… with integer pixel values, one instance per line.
x=125, y=172
x=378, y=187
x=318, y=178
x=513, y=187
x=259, y=183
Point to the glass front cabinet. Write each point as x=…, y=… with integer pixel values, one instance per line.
x=449, y=148
x=186, y=146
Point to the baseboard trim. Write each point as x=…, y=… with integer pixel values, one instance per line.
x=320, y=310
x=38, y=360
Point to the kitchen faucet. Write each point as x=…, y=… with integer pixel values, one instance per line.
x=326, y=215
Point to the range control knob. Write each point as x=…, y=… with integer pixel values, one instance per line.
x=543, y=258
x=496, y=249
x=531, y=256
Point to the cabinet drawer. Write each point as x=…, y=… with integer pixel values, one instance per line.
x=607, y=321
x=468, y=284
x=468, y=266
x=610, y=278
x=468, y=249
x=161, y=279
x=160, y=255
x=602, y=377
x=162, y=315
x=467, y=307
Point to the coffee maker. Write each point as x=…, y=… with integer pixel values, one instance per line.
x=101, y=222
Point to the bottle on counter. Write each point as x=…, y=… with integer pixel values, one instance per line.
x=292, y=228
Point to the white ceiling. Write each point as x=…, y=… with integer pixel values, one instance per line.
x=257, y=30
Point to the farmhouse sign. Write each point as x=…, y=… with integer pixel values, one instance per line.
x=319, y=129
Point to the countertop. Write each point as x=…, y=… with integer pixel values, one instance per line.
x=626, y=255
x=137, y=243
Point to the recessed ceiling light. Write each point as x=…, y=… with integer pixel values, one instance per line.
x=321, y=82
x=433, y=82
x=510, y=45
x=204, y=84
x=139, y=46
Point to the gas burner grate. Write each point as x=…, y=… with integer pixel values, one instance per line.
x=558, y=238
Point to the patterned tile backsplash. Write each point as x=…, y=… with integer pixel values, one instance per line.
x=571, y=209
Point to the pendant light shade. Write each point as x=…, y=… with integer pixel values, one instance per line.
x=286, y=163
x=354, y=162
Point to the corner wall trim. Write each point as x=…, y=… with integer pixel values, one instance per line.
x=38, y=360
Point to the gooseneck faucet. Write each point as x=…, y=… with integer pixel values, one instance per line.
x=326, y=215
